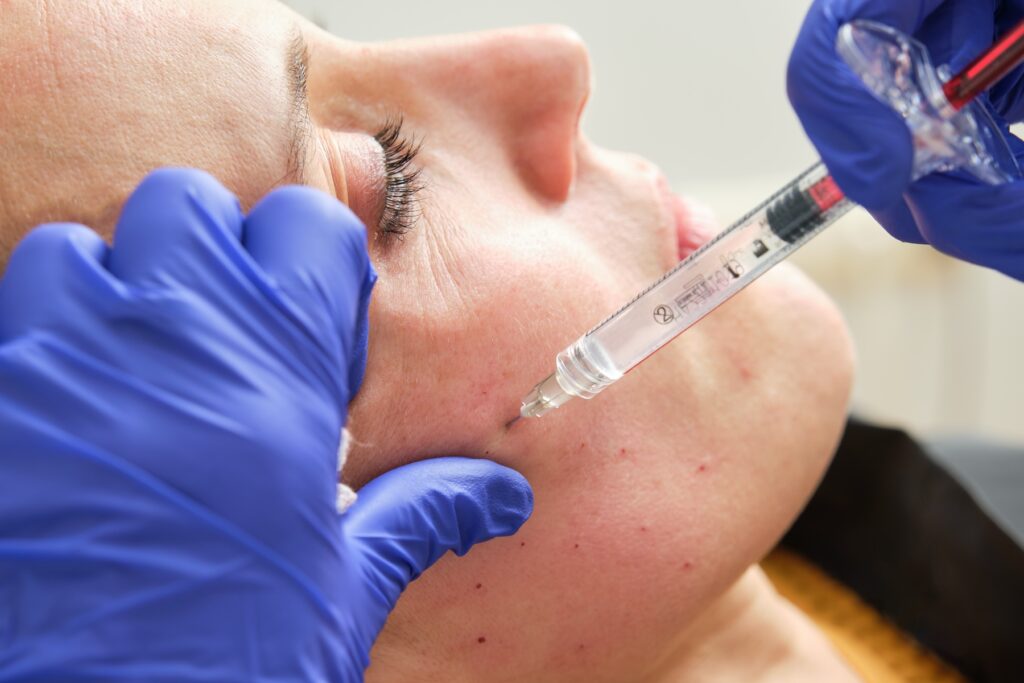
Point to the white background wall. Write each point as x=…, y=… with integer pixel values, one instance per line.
x=698, y=87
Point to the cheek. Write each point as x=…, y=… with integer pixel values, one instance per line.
x=459, y=336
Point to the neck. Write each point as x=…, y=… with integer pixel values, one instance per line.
x=751, y=633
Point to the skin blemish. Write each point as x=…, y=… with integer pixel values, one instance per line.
x=702, y=468
x=523, y=544
x=643, y=529
x=687, y=566
x=626, y=455
x=581, y=646
x=576, y=545
x=479, y=585
x=481, y=639
x=746, y=374
x=582, y=445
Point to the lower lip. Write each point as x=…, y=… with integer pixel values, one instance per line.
x=694, y=225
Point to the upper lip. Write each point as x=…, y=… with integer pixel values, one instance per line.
x=660, y=198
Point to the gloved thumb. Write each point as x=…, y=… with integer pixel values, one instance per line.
x=409, y=517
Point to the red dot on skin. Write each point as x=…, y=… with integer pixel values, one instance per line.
x=687, y=565
x=576, y=545
x=479, y=585
x=702, y=468
x=643, y=528
x=481, y=639
x=523, y=544
x=582, y=444
x=746, y=374
x=581, y=646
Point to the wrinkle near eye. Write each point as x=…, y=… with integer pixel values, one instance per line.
x=447, y=263
x=335, y=171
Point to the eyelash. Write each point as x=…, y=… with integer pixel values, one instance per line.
x=401, y=203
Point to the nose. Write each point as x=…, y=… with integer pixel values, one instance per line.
x=527, y=89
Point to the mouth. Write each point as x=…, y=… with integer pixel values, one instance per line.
x=694, y=224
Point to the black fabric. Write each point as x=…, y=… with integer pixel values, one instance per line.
x=895, y=527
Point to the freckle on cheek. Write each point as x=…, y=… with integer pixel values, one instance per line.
x=481, y=639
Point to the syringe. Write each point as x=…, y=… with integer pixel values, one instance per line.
x=949, y=132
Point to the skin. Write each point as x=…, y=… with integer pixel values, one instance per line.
x=655, y=500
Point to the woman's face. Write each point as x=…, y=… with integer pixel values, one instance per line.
x=652, y=498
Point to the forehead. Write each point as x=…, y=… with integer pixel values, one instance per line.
x=98, y=94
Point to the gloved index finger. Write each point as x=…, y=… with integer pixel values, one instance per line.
x=314, y=249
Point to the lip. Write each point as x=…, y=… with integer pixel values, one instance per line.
x=693, y=224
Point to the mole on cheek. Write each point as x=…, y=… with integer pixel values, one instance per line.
x=481, y=639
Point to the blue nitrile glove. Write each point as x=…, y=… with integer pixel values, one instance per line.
x=868, y=148
x=170, y=415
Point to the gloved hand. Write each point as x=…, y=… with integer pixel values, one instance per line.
x=170, y=414
x=868, y=148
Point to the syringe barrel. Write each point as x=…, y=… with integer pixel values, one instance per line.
x=700, y=283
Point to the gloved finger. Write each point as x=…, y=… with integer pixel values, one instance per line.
x=177, y=226
x=1007, y=96
x=980, y=223
x=404, y=520
x=314, y=249
x=957, y=31
x=899, y=222
x=863, y=142
x=59, y=264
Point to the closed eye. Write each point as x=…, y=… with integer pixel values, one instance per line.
x=401, y=209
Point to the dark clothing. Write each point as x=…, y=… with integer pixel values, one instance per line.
x=897, y=528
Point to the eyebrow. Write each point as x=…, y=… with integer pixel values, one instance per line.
x=300, y=126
